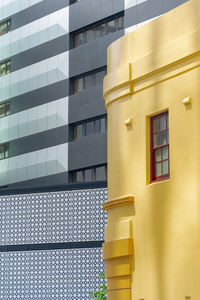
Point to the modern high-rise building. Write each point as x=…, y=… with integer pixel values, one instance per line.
x=53, y=140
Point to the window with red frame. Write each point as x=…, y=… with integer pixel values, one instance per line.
x=159, y=147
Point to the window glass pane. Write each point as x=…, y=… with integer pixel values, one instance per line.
x=165, y=152
x=6, y=150
x=163, y=138
x=111, y=26
x=79, y=39
x=158, y=155
x=165, y=167
x=75, y=132
x=8, y=26
x=158, y=169
x=99, y=76
x=80, y=132
x=2, y=110
x=89, y=128
x=97, y=125
x=156, y=140
x=78, y=85
x=88, y=80
x=89, y=175
x=100, y=30
x=3, y=69
x=101, y=173
x=89, y=35
x=167, y=122
x=79, y=176
x=8, y=67
x=167, y=136
x=3, y=29
x=120, y=22
x=155, y=125
x=1, y=151
x=103, y=125
x=7, y=109
x=163, y=123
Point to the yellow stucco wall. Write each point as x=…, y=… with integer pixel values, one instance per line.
x=152, y=239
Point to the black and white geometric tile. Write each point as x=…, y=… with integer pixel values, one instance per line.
x=56, y=217
x=49, y=275
x=53, y=217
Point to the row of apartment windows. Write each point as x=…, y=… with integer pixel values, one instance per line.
x=4, y=109
x=89, y=80
x=159, y=131
x=4, y=151
x=5, y=27
x=5, y=67
x=97, y=31
x=90, y=175
x=159, y=149
x=91, y=127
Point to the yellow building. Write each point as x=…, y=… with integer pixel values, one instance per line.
x=152, y=239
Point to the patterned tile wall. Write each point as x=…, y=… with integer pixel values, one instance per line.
x=49, y=275
x=56, y=217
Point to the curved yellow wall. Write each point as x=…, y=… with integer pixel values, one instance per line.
x=152, y=239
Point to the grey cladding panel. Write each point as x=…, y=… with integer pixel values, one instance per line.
x=148, y=10
x=92, y=55
x=39, y=141
x=170, y=4
x=53, y=217
x=41, y=52
x=37, y=11
x=90, y=11
x=46, y=181
x=88, y=151
x=40, y=96
x=86, y=104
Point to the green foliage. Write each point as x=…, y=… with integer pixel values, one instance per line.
x=102, y=293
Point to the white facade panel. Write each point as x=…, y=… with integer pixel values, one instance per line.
x=35, y=33
x=11, y=7
x=38, y=75
x=131, y=3
x=32, y=165
x=34, y=120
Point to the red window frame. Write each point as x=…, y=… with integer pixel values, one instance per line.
x=159, y=136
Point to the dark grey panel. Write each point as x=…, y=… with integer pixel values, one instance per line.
x=89, y=11
x=88, y=151
x=148, y=10
x=86, y=104
x=39, y=141
x=61, y=178
x=37, y=11
x=40, y=96
x=92, y=55
x=40, y=52
x=170, y=4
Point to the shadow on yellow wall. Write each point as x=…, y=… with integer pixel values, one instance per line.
x=152, y=239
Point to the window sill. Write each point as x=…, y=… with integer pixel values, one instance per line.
x=158, y=181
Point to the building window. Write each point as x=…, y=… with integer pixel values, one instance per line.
x=4, y=109
x=159, y=147
x=88, y=80
x=96, y=31
x=91, y=127
x=5, y=27
x=98, y=173
x=4, y=151
x=5, y=67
